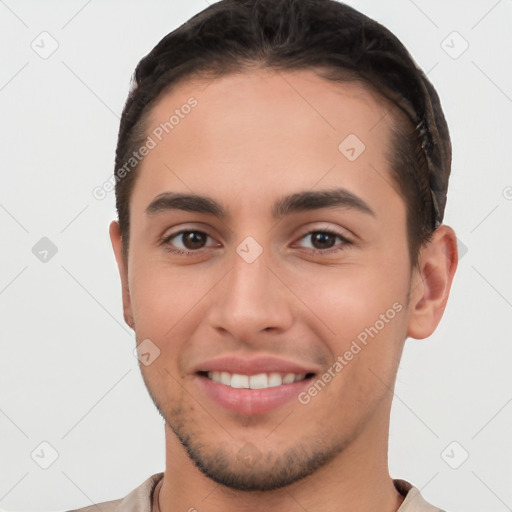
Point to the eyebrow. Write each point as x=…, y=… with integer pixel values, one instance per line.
x=294, y=203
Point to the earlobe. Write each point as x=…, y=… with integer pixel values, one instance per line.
x=430, y=286
x=117, y=246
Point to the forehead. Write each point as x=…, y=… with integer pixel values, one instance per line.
x=300, y=97
x=262, y=132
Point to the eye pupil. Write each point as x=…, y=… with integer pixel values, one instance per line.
x=323, y=238
x=193, y=239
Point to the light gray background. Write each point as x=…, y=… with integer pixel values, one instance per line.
x=68, y=374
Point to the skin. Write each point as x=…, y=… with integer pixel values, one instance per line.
x=251, y=140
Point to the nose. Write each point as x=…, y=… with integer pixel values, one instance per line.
x=252, y=298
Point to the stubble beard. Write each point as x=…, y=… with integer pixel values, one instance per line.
x=232, y=467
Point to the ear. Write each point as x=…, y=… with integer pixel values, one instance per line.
x=122, y=265
x=431, y=283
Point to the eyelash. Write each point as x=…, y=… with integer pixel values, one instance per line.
x=345, y=242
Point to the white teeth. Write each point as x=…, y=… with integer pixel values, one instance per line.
x=274, y=379
x=288, y=378
x=225, y=378
x=239, y=381
x=259, y=381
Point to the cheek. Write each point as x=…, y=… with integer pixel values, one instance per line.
x=164, y=303
x=161, y=296
x=366, y=325
x=360, y=312
x=348, y=300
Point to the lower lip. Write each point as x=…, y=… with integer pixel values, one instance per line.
x=251, y=401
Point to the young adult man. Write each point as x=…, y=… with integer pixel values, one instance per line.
x=281, y=177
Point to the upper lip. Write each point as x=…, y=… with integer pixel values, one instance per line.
x=252, y=365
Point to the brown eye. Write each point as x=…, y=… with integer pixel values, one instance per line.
x=193, y=239
x=322, y=240
x=188, y=242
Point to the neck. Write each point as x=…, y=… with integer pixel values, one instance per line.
x=357, y=479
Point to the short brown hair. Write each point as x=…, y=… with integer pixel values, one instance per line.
x=234, y=35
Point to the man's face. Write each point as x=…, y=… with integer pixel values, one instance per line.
x=254, y=293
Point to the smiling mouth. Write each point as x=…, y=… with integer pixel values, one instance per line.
x=258, y=381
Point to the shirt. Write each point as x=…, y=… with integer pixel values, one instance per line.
x=145, y=499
